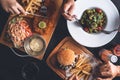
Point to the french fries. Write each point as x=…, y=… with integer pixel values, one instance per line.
x=32, y=5
x=82, y=67
x=26, y=1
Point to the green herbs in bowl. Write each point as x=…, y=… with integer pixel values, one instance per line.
x=93, y=20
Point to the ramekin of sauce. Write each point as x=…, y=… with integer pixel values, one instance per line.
x=35, y=45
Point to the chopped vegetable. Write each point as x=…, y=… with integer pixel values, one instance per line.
x=93, y=20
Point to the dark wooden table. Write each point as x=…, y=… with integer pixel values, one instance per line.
x=11, y=65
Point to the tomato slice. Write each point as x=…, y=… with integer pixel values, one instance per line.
x=100, y=28
x=86, y=29
x=98, y=10
x=116, y=50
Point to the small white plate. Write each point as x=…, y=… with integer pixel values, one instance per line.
x=94, y=40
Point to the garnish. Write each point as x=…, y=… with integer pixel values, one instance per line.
x=42, y=24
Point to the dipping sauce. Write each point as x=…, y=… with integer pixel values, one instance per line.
x=36, y=44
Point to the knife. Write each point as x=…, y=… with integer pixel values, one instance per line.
x=36, y=15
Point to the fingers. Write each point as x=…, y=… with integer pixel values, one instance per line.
x=66, y=7
x=68, y=10
x=105, y=70
x=73, y=77
x=105, y=67
x=68, y=16
x=20, y=8
x=16, y=9
x=106, y=74
x=11, y=11
x=103, y=79
x=68, y=13
x=71, y=8
x=76, y=77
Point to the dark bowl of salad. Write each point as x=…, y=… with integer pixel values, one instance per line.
x=93, y=20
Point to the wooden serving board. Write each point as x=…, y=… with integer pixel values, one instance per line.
x=67, y=42
x=53, y=19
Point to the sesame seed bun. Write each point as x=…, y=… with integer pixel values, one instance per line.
x=66, y=57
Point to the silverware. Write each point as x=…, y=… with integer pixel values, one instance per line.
x=76, y=18
x=36, y=15
x=108, y=32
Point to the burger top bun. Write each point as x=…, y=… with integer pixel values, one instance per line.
x=66, y=57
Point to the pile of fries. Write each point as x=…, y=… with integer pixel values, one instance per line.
x=83, y=68
x=32, y=5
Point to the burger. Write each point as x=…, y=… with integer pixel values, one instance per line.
x=66, y=58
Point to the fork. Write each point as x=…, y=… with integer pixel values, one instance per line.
x=43, y=8
x=108, y=32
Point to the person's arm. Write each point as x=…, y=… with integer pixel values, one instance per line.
x=12, y=6
x=118, y=68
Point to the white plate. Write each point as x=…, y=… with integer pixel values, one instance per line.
x=94, y=40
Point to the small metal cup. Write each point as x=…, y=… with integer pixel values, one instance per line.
x=29, y=50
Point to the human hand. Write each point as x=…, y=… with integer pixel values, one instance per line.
x=73, y=77
x=12, y=6
x=68, y=8
x=108, y=71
